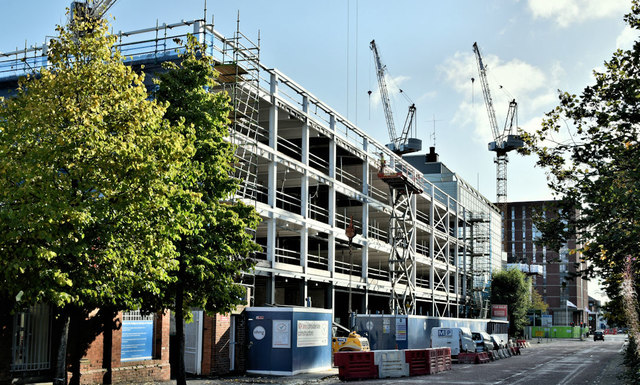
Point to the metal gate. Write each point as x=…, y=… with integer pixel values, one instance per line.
x=193, y=344
x=31, y=342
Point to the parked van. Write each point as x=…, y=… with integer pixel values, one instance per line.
x=483, y=341
x=458, y=339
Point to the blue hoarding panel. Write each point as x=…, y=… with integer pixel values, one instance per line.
x=137, y=340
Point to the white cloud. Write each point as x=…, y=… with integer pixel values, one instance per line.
x=626, y=38
x=567, y=12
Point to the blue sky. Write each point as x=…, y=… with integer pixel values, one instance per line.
x=532, y=49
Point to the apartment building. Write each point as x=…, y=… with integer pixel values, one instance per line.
x=553, y=272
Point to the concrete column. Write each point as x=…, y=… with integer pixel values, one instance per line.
x=271, y=289
x=365, y=261
x=271, y=241
x=332, y=172
x=304, y=180
x=304, y=247
x=365, y=215
x=365, y=190
x=273, y=143
x=332, y=253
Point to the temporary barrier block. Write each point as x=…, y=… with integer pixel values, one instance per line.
x=432, y=360
x=391, y=363
x=418, y=361
x=482, y=358
x=355, y=365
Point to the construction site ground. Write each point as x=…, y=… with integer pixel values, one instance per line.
x=546, y=361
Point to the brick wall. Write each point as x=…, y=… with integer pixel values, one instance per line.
x=101, y=364
x=215, y=344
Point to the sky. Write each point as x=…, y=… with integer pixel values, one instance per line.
x=532, y=49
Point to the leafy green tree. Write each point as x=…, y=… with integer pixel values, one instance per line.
x=537, y=303
x=510, y=287
x=88, y=166
x=598, y=168
x=214, y=245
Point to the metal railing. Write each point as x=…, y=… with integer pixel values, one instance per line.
x=31, y=340
x=347, y=268
x=291, y=257
x=288, y=202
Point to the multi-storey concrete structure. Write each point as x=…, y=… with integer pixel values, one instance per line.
x=486, y=255
x=310, y=172
x=566, y=294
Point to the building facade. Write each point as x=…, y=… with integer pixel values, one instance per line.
x=311, y=173
x=553, y=272
x=486, y=256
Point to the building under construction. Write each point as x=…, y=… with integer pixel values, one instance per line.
x=311, y=173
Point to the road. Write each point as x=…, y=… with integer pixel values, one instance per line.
x=559, y=362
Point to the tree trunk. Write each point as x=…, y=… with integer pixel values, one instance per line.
x=61, y=367
x=181, y=375
x=6, y=334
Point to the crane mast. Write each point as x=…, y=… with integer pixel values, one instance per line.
x=399, y=144
x=504, y=141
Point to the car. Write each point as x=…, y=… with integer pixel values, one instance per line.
x=598, y=335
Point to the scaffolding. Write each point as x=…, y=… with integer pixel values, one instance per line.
x=480, y=266
x=239, y=75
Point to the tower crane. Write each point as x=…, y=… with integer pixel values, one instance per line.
x=95, y=9
x=399, y=144
x=503, y=142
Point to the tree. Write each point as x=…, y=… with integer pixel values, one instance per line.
x=88, y=167
x=598, y=168
x=510, y=287
x=537, y=303
x=214, y=246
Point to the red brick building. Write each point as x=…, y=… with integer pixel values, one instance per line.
x=213, y=345
x=556, y=283
x=100, y=349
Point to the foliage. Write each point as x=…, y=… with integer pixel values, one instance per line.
x=214, y=245
x=510, y=287
x=598, y=168
x=537, y=303
x=87, y=170
x=632, y=362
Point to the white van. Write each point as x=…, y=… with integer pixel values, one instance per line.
x=458, y=339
